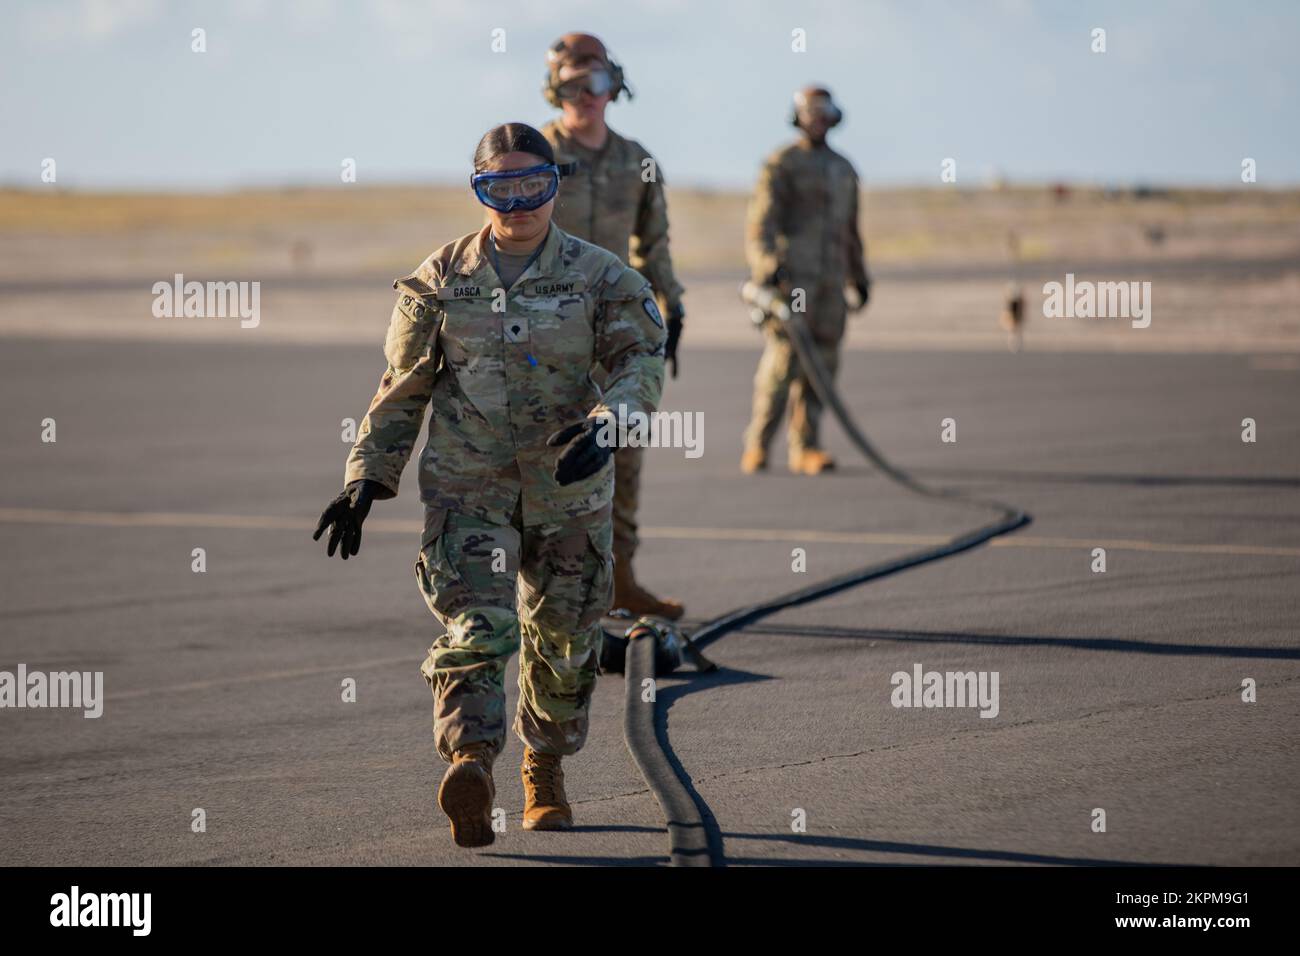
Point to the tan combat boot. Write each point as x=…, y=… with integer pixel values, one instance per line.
x=637, y=600
x=545, y=805
x=466, y=795
x=810, y=461
x=754, y=459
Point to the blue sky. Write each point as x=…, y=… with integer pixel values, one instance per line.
x=111, y=90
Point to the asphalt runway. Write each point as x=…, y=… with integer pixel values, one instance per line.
x=1119, y=690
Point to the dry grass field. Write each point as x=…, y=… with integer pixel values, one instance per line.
x=1225, y=265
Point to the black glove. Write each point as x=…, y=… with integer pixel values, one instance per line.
x=583, y=454
x=344, y=516
x=864, y=291
x=675, y=316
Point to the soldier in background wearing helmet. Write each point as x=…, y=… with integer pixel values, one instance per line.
x=802, y=236
x=614, y=199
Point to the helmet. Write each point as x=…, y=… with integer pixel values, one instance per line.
x=580, y=60
x=813, y=100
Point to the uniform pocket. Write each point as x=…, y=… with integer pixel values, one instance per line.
x=437, y=567
x=598, y=574
x=411, y=331
x=435, y=520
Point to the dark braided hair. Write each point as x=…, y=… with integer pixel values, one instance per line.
x=510, y=138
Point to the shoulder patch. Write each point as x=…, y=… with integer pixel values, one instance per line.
x=652, y=310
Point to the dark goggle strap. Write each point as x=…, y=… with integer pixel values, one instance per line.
x=489, y=175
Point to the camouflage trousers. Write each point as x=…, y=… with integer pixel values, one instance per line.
x=498, y=588
x=627, y=496
x=780, y=376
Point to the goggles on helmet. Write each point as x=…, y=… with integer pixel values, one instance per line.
x=817, y=107
x=597, y=83
x=514, y=189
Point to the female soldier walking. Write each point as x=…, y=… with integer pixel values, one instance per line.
x=497, y=332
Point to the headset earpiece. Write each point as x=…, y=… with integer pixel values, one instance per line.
x=620, y=84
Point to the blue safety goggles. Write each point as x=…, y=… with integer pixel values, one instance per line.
x=514, y=189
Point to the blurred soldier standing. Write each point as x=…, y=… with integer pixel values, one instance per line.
x=614, y=199
x=802, y=238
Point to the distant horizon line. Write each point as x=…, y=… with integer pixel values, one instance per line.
x=882, y=185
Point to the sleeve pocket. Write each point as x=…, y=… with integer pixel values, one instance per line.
x=413, y=329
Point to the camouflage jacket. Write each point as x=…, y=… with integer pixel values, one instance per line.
x=804, y=217
x=607, y=201
x=502, y=370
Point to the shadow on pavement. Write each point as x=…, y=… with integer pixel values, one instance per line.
x=1227, y=481
x=583, y=860
x=917, y=849
x=1075, y=643
x=666, y=697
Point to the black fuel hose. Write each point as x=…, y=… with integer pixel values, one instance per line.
x=687, y=836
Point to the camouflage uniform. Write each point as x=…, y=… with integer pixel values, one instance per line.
x=804, y=218
x=608, y=202
x=499, y=383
